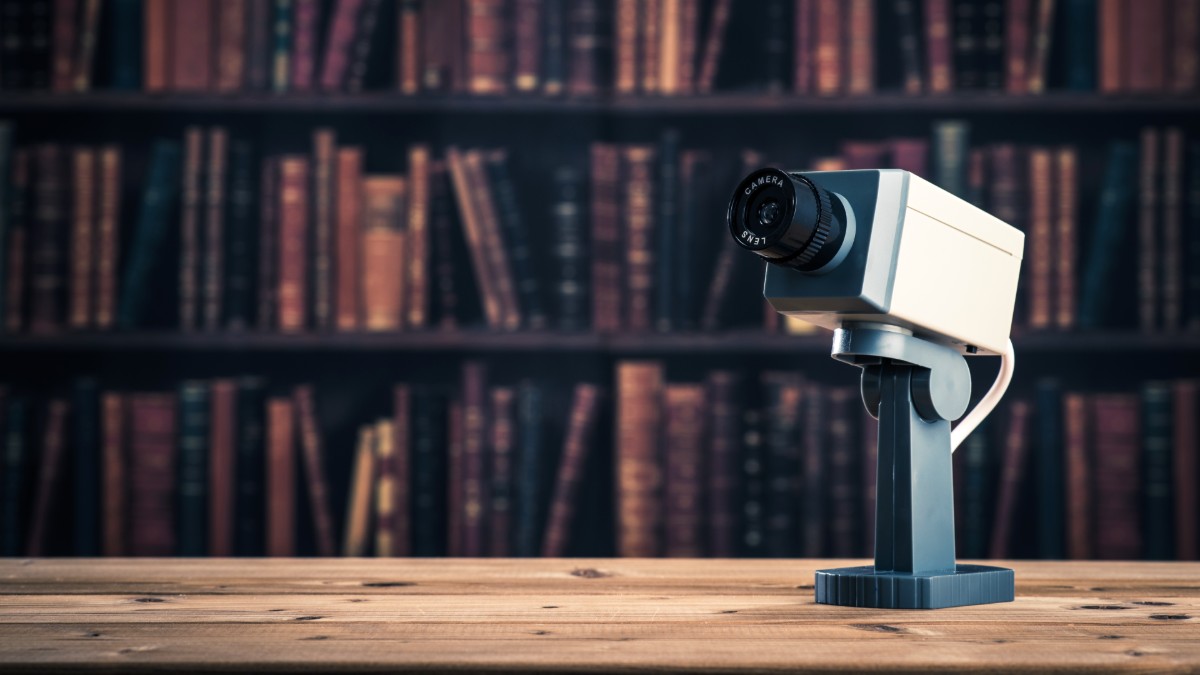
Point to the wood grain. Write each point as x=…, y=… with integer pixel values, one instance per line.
x=422, y=615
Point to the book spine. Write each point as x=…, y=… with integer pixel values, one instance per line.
x=1113, y=51
x=16, y=477
x=83, y=237
x=324, y=212
x=527, y=45
x=571, y=286
x=85, y=432
x=293, y=243
x=429, y=474
x=474, y=459
x=814, y=471
x=418, y=237
x=1185, y=46
x=1172, y=229
x=114, y=491
x=667, y=224
x=108, y=237
x=576, y=446
x=1145, y=25
x=1048, y=469
x=260, y=28
x=192, y=43
x=336, y=60
x=11, y=195
x=992, y=62
x=231, y=45
x=494, y=245
x=408, y=67
x=803, y=54
x=1039, y=58
x=1081, y=49
x=527, y=494
x=695, y=180
x=193, y=468
x=1115, y=426
x=156, y=57
x=1157, y=496
x=500, y=486
x=555, y=57
x=189, y=234
x=783, y=464
x=85, y=48
x=905, y=13
x=1016, y=448
x=435, y=54
x=939, y=46
x=1041, y=249
x=979, y=494
x=241, y=282
x=689, y=40
x=588, y=44
x=385, y=489
x=752, y=494
x=607, y=308
x=722, y=463
x=162, y=185
x=714, y=44
x=1116, y=201
x=444, y=249
x=222, y=438
x=303, y=401
x=1066, y=219
x=49, y=473
x=626, y=41
x=860, y=57
x=1079, y=478
x=348, y=236
x=402, y=470
x=844, y=473
x=1185, y=461
x=65, y=25
x=668, y=45
x=638, y=205
x=474, y=235
x=639, y=477
x=304, y=45
x=282, y=23
x=1192, y=227
x=153, y=462
x=383, y=247
x=49, y=220
x=1018, y=20
x=966, y=44
x=250, y=475
x=360, y=59
x=268, y=245
x=651, y=28
x=455, y=515
x=516, y=236
x=683, y=405
x=362, y=493
x=870, y=466
x=487, y=55
x=214, y=228
x=38, y=43
x=1148, y=229
x=950, y=147
x=827, y=76
x=281, y=478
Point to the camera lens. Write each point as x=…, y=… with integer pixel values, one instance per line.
x=787, y=219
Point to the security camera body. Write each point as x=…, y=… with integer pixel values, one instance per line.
x=912, y=255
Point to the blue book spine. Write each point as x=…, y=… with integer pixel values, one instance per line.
x=530, y=495
x=125, y=41
x=1080, y=44
x=1049, y=468
x=1112, y=221
x=192, y=505
x=516, y=239
x=1158, y=530
x=281, y=49
x=154, y=217
x=16, y=460
x=86, y=411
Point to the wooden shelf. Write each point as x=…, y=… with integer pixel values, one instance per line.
x=735, y=342
x=720, y=104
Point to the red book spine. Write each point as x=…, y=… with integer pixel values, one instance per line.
x=157, y=65
x=214, y=227
x=293, y=243
x=860, y=64
x=487, y=58
x=268, y=244
x=349, y=232
x=1186, y=462
x=1185, y=46
x=1147, y=223
x=713, y=45
x=828, y=45
x=606, y=238
x=501, y=473
x=314, y=469
x=402, y=470
x=1041, y=245
x=231, y=44
x=1115, y=426
x=1066, y=235
x=1016, y=448
x=638, y=206
x=938, y=46
x=108, y=237
x=436, y=54
x=1079, y=472
x=418, y=236
x=114, y=487
x=639, y=473
x=48, y=476
x=1017, y=18
x=324, y=214
x=1145, y=26
x=863, y=154
x=382, y=252
x=668, y=48
x=804, y=18
x=474, y=460
x=66, y=16
x=1173, y=242
x=336, y=61
x=584, y=410
x=189, y=233
x=152, y=475
x=626, y=25
x=724, y=447
x=1113, y=46
x=83, y=236
x=1039, y=57
x=493, y=240
x=192, y=45
x=910, y=154
x=281, y=478
x=527, y=43
x=651, y=25
x=684, y=459
x=222, y=478
x=304, y=45
x=474, y=232
x=408, y=68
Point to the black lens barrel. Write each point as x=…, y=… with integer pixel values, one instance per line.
x=787, y=219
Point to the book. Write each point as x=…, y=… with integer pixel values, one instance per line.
x=383, y=245
x=804, y=21
x=1016, y=449
x=1144, y=24
x=827, y=74
x=445, y=247
x=714, y=44
x=528, y=495
x=18, y=238
x=493, y=239
x=638, y=200
x=908, y=36
x=215, y=198
x=966, y=38
x=153, y=461
x=860, y=56
x=843, y=473
x=190, y=224
x=813, y=423
x=362, y=495
x=783, y=460
x=487, y=56
x=473, y=489
x=47, y=271
x=752, y=496
x=401, y=470
x=250, y=464
x=231, y=44
x=242, y=244
x=588, y=47
x=721, y=462
x=292, y=265
x=516, y=236
x=991, y=56
x=554, y=57
x=222, y=467
x=1148, y=228
x=1080, y=44
x=667, y=228
x=15, y=475
x=1115, y=202
x=157, y=66
x=951, y=140
x=572, y=462
x=625, y=47
x=324, y=184
x=527, y=46
x=1041, y=239
x=939, y=46
x=304, y=405
x=418, y=237
x=191, y=42
x=571, y=283
x=303, y=56
x=1113, y=49
x=1171, y=222
x=408, y=66
x=162, y=180
x=978, y=495
x=695, y=196
x=266, y=310
x=1076, y=419
x=500, y=472
x=280, y=478
x=474, y=231
x=386, y=488
x=1049, y=458
x=9, y=190
x=83, y=236
x=429, y=450
x=1184, y=60
x=684, y=433
x=1039, y=55
x=338, y=42
x=639, y=477
x=193, y=468
x=1184, y=469
x=347, y=238
x=606, y=241
x=282, y=23
x=86, y=482
x=1115, y=432
x=108, y=237
x=1066, y=234
x=455, y=432
x=364, y=45
x=1157, y=512
x=260, y=28
x=49, y=475
x=775, y=59
x=114, y=508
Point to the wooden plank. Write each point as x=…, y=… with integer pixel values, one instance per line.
x=572, y=615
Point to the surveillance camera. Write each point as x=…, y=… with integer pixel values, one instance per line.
x=881, y=246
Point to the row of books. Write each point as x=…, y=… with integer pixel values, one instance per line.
x=225, y=467
x=585, y=48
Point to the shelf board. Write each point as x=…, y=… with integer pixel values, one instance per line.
x=747, y=342
x=717, y=104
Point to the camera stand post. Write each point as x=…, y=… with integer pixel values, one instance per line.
x=915, y=388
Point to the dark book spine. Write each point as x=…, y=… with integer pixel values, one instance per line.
x=324, y=185
x=977, y=497
x=721, y=464
x=588, y=41
x=1171, y=219
x=493, y=240
x=570, y=250
x=242, y=241
x=304, y=401
x=992, y=62
x=419, y=238
x=280, y=483
x=429, y=474
x=1041, y=240
x=1016, y=45
x=554, y=58
x=474, y=459
x=249, y=470
x=162, y=185
x=1079, y=51
x=402, y=469
x=1016, y=449
x=1157, y=499
x=606, y=240
x=445, y=252
x=260, y=29
x=814, y=472
x=80, y=312
x=500, y=486
x=905, y=13
x=576, y=445
x=115, y=493
x=951, y=141
x=844, y=473
x=1048, y=470
x=638, y=201
x=13, y=75
x=385, y=488
x=639, y=467
x=666, y=203
x=155, y=36
x=1116, y=201
x=85, y=430
x=49, y=475
x=192, y=42
x=37, y=30
x=1039, y=56
x=1117, y=479
x=125, y=45
x=266, y=305
x=714, y=44
x=192, y=506
x=782, y=465
x=1148, y=229
x=1184, y=59
x=775, y=46
x=153, y=458
x=1066, y=237
x=108, y=237
x=529, y=496
x=9, y=190
x=214, y=228
x=695, y=182
x=48, y=257
x=1113, y=49
x=281, y=45
x=1078, y=463
x=527, y=43
x=360, y=59
x=16, y=478
x=753, y=488
x=939, y=46
x=685, y=432
x=191, y=207
x=516, y=236
x=967, y=36
x=804, y=19
x=475, y=237
x=1191, y=265
x=435, y=54
x=1184, y=468
x=1145, y=29
x=221, y=468
x=338, y=43
x=455, y=432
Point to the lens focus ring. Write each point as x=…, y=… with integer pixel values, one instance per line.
x=786, y=219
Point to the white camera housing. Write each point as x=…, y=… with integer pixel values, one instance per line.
x=914, y=256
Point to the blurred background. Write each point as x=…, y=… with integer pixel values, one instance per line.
x=451, y=277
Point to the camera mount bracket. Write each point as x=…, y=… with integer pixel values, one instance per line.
x=915, y=388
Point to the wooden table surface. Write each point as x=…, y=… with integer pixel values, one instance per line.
x=357, y=615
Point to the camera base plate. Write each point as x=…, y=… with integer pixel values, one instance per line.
x=864, y=587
